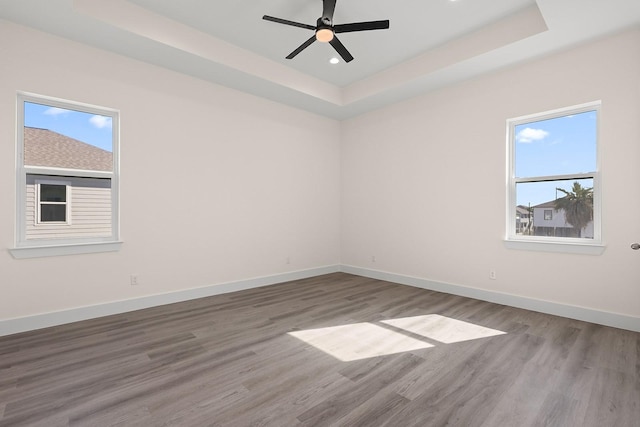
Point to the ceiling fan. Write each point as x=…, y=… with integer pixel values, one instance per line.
x=326, y=32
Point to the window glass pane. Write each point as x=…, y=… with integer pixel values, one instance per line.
x=555, y=208
x=558, y=146
x=53, y=213
x=69, y=139
x=53, y=193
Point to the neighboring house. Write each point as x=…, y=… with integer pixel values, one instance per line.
x=62, y=204
x=523, y=220
x=547, y=221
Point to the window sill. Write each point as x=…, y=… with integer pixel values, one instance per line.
x=61, y=250
x=558, y=247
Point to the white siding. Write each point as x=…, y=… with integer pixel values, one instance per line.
x=90, y=211
x=558, y=220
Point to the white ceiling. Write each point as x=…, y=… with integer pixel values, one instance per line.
x=430, y=43
x=427, y=25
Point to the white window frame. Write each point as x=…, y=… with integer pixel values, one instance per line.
x=39, y=203
x=32, y=248
x=593, y=246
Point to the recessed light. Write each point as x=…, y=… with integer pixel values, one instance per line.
x=334, y=60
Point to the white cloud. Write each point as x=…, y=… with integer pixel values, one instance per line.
x=100, y=121
x=55, y=111
x=528, y=135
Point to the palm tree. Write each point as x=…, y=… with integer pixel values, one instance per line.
x=577, y=206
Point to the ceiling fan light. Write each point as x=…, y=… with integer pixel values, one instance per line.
x=324, y=35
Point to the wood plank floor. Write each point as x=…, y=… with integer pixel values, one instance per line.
x=245, y=359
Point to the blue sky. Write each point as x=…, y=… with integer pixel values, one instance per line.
x=90, y=128
x=558, y=146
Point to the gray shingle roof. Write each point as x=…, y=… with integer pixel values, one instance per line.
x=549, y=204
x=43, y=147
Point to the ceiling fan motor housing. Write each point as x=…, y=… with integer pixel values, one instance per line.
x=324, y=30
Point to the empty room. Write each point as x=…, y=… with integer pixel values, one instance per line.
x=320, y=213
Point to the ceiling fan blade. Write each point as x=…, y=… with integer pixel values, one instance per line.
x=361, y=26
x=339, y=47
x=328, y=8
x=302, y=47
x=286, y=22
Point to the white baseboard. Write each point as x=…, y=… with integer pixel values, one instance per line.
x=39, y=321
x=29, y=323
x=573, y=312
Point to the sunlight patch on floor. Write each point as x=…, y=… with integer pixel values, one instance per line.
x=442, y=329
x=364, y=340
x=359, y=341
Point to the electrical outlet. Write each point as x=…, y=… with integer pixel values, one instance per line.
x=134, y=280
x=373, y=258
x=288, y=260
x=492, y=274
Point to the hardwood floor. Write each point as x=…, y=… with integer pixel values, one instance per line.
x=244, y=359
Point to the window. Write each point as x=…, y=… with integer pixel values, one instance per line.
x=53, y=202
x=67, y=177
x=554, y=177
